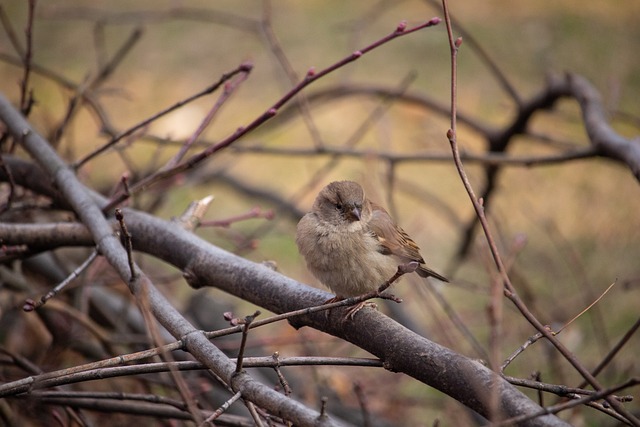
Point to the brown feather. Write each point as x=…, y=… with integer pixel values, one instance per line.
x=395, y=241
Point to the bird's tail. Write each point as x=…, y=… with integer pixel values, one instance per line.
x=427, y=272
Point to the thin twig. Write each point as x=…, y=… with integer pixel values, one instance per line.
x=309, y=78
x=495, y=311
x=12, y=186
x=488, y=158
x=242, y=68
x=30, y=305
x=323, y=407
x=226, y=405
x=362, y=401
x=484, y=57
x=128, y=243
x=255, y=212
x=612, y=353
x=509, y=289
x=558, y=389
x=604, y=393
x=82, y=373
x=126, y=47
x=301, y=102
x=532, y=339
x=229, y=89
x=243, y=342
x=254, y=413
x=283, y=381
x=26, y=100
x=105, y=71
x=585, y=310
x=11, y=34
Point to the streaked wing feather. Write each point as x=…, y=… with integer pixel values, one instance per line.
x=393, y=239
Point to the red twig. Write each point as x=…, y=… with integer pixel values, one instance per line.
x=310, y=77
x=242, y=68
x=229, y=88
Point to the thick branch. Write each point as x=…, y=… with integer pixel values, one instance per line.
x=204, y=265
x=79, y=197
x=400, y=350
x=601, y=135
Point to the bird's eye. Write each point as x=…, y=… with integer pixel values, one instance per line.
x=339, y=206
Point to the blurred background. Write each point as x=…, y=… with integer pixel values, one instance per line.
x=568, y=229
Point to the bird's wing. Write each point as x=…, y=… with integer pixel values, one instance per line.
x=393, y=239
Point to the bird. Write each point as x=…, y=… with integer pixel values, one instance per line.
x=352, y=245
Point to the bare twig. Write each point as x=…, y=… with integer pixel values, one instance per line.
x=127, y=241
x=484, y=57
x=612, y=353
x=310, y=77
x=283, y=381
x=362, y=401
x=245, y=333
x=532, y=339
x=509, y=290
x=12, y=186
x=105, y=71
x=111, y=406
x=255, y=212
x=229, y=89
x=90, y=372
x=254, y=413
x=191, y=218
x=604, y=393
x=585, y=309
x=301, y=102
x=26, y=100
x=496, y=302
x=559, y=390
x=323, y=407
x=489, y=158
x=31, y=305
x=11, y=34
x=226, y=405
x=242, y=68
x=108, y=68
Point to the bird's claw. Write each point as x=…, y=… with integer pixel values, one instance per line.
x=353, y=310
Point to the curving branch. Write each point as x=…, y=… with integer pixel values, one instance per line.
x=398, y=348
x=81, y=201
x=603, y=140
x=204, y=264
x=602, y=136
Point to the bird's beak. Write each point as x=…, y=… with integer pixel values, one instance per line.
x=354, y=214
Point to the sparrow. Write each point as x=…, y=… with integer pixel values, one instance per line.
x=351, y=244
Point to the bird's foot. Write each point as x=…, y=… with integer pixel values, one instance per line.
x=353, y=310
x=391, y=297
x=331, y=301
